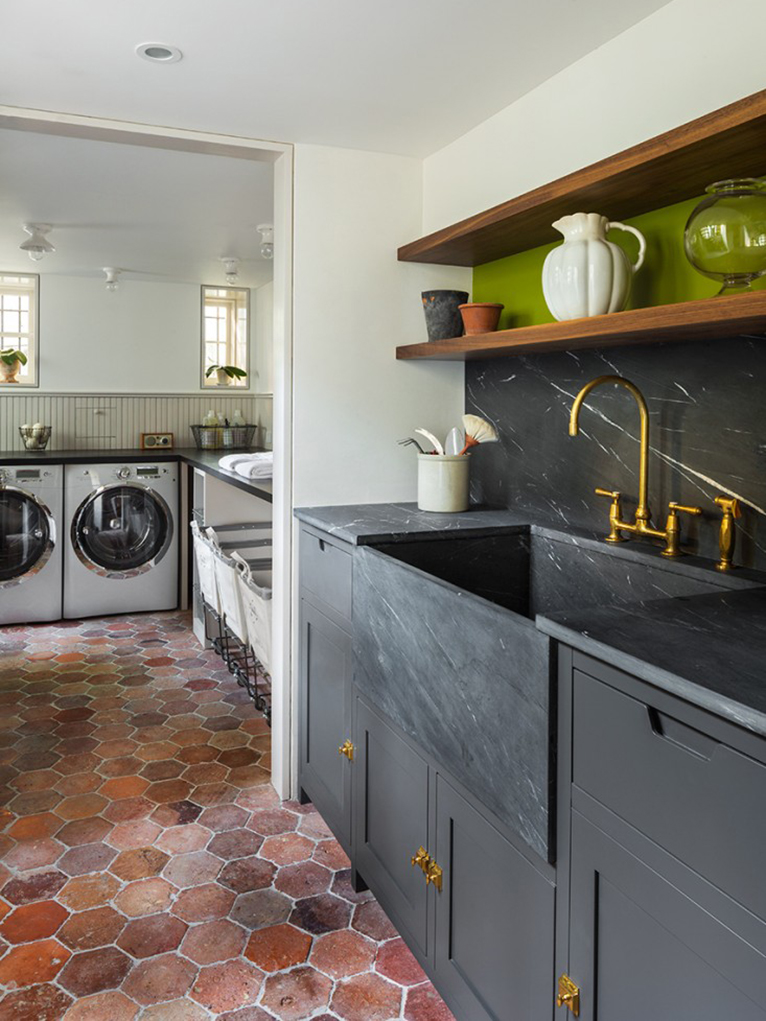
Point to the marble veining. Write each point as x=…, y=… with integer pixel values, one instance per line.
x=708, y=436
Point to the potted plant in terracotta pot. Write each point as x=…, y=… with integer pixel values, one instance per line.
x=11, y=361
x=225, y=373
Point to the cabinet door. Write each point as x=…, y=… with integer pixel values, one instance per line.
x=325, y=718
x=494, y=919
x=642, y=950
x=391, y=812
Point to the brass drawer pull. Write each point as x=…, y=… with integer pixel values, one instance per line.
x=422, y=859
x=434, y=875
x=347, y=749
x=568, y=995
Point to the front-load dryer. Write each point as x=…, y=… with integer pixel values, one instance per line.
x=122, y=549
x=31, y=515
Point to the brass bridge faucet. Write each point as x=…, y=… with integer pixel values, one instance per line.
x=642, y=524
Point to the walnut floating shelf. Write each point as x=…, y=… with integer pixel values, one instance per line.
x=731, y=142
x=711, y=318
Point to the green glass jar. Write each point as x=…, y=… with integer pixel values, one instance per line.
x=725, y=236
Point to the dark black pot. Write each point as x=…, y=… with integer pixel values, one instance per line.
x=443, y=319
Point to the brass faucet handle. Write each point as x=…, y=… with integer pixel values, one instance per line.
x=615, y=512
x=610, y=494
x=675, y=507
x=730, y=505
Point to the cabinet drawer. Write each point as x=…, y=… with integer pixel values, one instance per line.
x=325, y=571
x=688, y=792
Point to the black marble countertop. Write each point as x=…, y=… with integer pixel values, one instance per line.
x=206, y=461
x=708, y=649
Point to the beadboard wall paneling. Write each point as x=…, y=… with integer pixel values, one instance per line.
x=116, y=421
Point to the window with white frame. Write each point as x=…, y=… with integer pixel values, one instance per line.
x=225, y=330
x=19, y=302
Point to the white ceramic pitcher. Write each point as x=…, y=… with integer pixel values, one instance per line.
x=588, y=275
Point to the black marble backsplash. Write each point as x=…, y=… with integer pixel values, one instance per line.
x=707, y=404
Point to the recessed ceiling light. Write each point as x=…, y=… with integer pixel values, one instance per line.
x=159, y=53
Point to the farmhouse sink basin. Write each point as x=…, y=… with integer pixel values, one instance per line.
x=445, y=643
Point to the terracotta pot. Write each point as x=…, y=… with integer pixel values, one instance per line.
x=480, y=316
x=9, y=373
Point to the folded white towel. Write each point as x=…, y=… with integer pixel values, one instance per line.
x=232, y=461
x=255, y=469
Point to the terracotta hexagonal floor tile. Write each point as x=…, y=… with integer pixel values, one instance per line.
x=41, y=1002
x=127, y=836
x=78, y=783
x=162, y=769
x=235, y=844
x=176, y=813
x=125, y=766
x=366, y=998
x=35, y=802
x=271, y=821
x=139, y=863
x=343, y=953
x=278, y=947
x=261, y=908
x=197, y=753
x=128, y=809
x=90, y=929
x=203, y=903
x=246, y=874
x=331, y=854
x=81, y=806
x=156, y=751
x=323, y=913
x=112, y=1006
x=205, y=772
x=306, y=879
x=425, y=1004
x=258, y=798
x=33, y=921
x=167, y=791
x=227, y=986
x=208, y=794
x=341, y=885
x=38, y=886
x=33, y=962
x=296, y=994
x=315, y=827
x=256, y=1014
x=89, y=891
x=94, y=971
x=248, y=776
x=124, y=787
x=192, y=869
x=182, y=839
x=396, y=961
x=235, y=758
x=371, y=920
x=33, y=854
x=83, y=831
x=88, y=858
x=224, y=817
x=152, y=935
x=287, y=849
x=160, y=978
x=212, y=942
x=35, y=827
x=145, y=897
x=80, y=762
x=176, y=1010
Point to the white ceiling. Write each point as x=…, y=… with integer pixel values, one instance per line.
x=403, y=76
x=155, y=214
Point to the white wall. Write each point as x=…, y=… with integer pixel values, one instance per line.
x=353, y=304
x=687, y=59
x=262, y=339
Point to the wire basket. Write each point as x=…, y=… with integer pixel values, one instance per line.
x=35, y=437
x=223, y=437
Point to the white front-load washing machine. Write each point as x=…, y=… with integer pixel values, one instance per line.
x=31, y=513
x=122, y=549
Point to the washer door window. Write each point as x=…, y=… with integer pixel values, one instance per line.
x=27, y=535
x=122, y=530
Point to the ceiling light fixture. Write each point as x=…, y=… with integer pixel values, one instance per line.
x=231, y=269
x=159, y=53
x=37, y=245
x=266, y=230
x=112, y=278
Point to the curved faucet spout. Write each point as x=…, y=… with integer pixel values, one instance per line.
x=642, y=511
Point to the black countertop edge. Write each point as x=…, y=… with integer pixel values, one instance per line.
x=728, y=707
x=206, y=461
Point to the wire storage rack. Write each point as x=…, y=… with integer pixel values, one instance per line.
x=227, y=559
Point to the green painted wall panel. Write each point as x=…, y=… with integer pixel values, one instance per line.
x=665, y=278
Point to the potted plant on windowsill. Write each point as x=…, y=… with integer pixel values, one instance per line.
x=11, y=361
x=225, y=373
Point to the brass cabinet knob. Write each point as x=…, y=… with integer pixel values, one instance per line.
x=422, y=859
x=347, y=749
x=434, y=875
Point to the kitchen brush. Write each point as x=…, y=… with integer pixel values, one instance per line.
x=477, y=430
